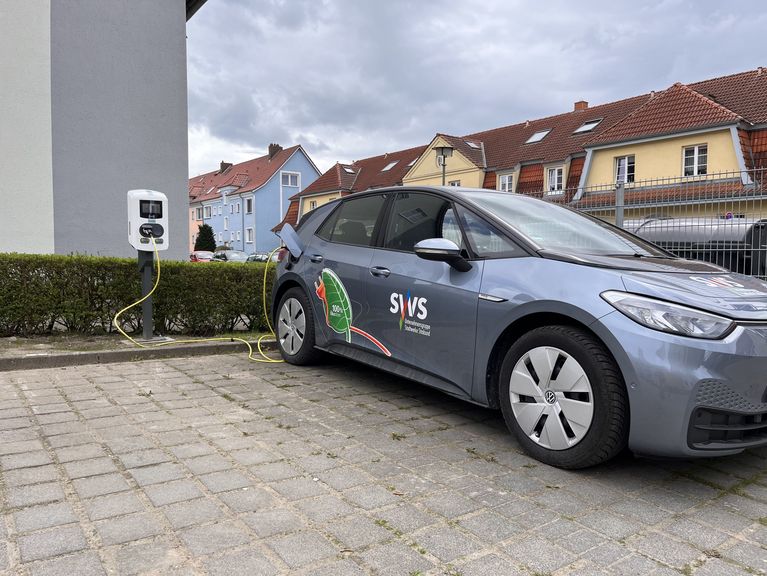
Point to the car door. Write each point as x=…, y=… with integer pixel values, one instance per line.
x=423, y=312
x=338, y=263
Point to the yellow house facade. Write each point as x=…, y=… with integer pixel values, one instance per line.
x=309, y=203
x=460, y=170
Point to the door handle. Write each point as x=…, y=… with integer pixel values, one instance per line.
x=380, y=271
x=316, y=258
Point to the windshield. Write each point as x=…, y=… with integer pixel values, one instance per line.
x=560, y=229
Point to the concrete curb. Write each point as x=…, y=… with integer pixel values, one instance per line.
x=60, y=359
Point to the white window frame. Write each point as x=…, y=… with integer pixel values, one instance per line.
x=220, y=236
x=208, y=211
x=389, y=166
x=289, y=174
x=231, y=208
x=454, y=183
x=237, y=208
x=238, y=235
x=506, y=182
x=559, y=180
x=538, y=136
x=312, y=204
x=248, y=235
x=588, y=126
x=231, y=236
x=198, y=213
x=625, y=177
x=226, y=222
x=696, y=165
x=220, y=210
x=248, y=205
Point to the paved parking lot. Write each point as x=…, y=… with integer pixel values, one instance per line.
x=214, y=465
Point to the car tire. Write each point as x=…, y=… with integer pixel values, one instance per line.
x=575, y=413
x=294, y=327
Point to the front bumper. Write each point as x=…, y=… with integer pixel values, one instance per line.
x=691, y=397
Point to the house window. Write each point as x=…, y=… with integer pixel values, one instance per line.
x=231, y=236
x=587, y=126
x=506, y=183
x=389, y=166
x=248, y=205
x=696, y=160
x=624, y=169
x=220, y=236
x=198, y=213
x=290, y=179
x=220, y=210
x=237, y=208
x=249, y=235
x=207, y=211
x=555, y=179
x=226, y=223
x=538, y=136
x=238, y=235
x=312, y=204
x=454, y=183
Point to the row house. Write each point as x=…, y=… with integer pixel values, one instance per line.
x=241, y=202
x=709, y=131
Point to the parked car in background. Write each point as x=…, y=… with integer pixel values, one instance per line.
x=230, y=256
x=586, y=337
x=262, y=257
x=201, y=256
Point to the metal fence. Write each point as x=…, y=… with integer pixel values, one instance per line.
x=719, y=218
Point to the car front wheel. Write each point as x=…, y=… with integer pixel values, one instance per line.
x=563, y=397
x=295, y=328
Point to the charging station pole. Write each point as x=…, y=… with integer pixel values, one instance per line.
x=145, y=266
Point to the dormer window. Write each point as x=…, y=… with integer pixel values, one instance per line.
x=348, y=170
x=389, y=166
x=412, y=162
x=538, y=136
x=474, y=145
x=588, y=126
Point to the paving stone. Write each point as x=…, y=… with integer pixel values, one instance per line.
x=50, y=543
x=446, y=543
x=395, y=559
x=370, y=496
x=703, y=537
x=749, y=555
x=301, y=548
x=113, y=505
x=157, y=473
x=242, y=563
x=192, y=450
x=490, y=527
x=253, y=456
x=345, y=477
x=225, y=481
x=490, y=565
x=141, y=458
x=154, y=557
x=213, y=538
x=100, y=485
x=538, y=554
x=81, y=564
x=127, y=528
x=450, y=504
x=270, y=522
x=171, y=492
x=406, y=517
x=93, y=467
x=25, y=460
x=323, y=508
x=275, y=471
x=207, y=464
x=717, y=567
x=297, y=488
x=247, y=499
x=82, y=452
x=664, y=549
x=26, y=476
x=358, y=531
x=46, y=516
x=186, y=514
x=610, y=525
x=34, y=494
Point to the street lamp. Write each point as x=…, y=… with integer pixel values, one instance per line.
x=443, y=152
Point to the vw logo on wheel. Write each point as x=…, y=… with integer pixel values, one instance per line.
x=550, y=397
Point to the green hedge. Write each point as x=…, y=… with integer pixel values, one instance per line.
x=40, y=294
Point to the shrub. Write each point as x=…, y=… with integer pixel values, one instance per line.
x=41, y=294
x=205, y=239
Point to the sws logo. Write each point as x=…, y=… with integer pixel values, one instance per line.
x=408, y=306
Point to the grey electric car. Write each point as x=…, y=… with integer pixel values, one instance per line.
x=586, y=337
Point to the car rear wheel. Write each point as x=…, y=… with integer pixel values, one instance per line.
x=563, y=397
x=295, y=328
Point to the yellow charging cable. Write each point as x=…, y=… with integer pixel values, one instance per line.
x=264, y=357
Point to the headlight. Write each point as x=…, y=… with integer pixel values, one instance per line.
x=667, y=317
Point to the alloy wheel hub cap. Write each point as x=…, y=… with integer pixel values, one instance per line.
x=291, y=326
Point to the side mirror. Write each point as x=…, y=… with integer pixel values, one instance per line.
x=442, y=250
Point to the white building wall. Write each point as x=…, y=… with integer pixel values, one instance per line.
x=26, y=167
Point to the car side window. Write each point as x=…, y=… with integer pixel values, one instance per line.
x=353, y=222
x=415, y=217
x=485, y=239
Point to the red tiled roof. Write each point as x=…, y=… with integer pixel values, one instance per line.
x=371, y=174
x=245, y=176
x=505, y=147
x=339, y=177
x=744, y=93
x=677, y=109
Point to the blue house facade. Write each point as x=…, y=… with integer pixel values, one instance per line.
x=243, y=202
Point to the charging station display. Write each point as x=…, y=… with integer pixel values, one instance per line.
x=147, y=220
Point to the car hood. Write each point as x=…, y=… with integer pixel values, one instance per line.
x=731, y=295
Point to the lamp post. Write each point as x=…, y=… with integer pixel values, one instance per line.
x=443, y=152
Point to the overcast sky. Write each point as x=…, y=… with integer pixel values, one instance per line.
x=349, y=79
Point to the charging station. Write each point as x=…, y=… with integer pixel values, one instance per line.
x=147, y=232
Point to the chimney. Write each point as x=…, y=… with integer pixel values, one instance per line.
x=580, y=105
x=273, y=149
x=224, y=167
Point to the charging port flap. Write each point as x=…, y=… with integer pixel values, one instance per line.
x=291, y=240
